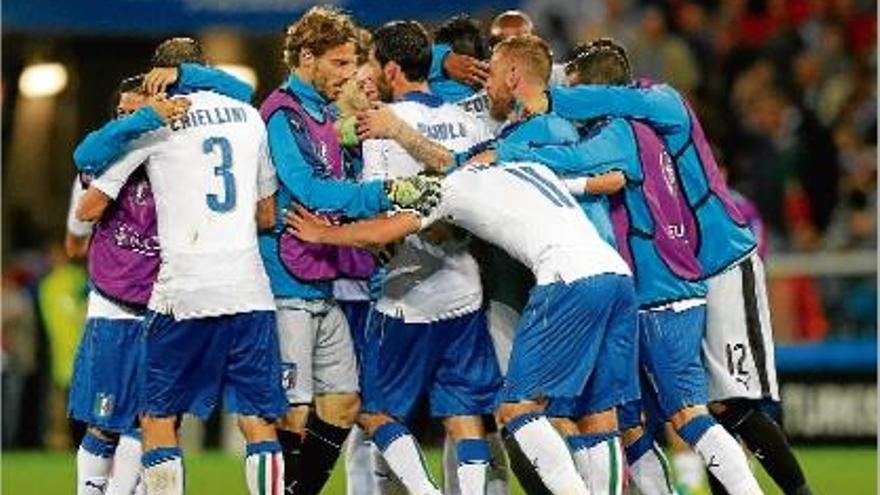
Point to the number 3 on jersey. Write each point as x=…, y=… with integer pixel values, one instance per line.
x=224, y=171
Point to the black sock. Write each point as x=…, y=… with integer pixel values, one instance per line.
x=525, y=472
x=715, y=485
x=320, y=450
x=291, y=450
x=766, y=440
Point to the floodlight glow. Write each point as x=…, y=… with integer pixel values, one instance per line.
x=42, y=80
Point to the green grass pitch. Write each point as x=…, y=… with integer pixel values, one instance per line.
x=831, y=471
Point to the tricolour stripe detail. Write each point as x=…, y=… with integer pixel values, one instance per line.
x=614, y=461
x=261, y=475
x=664, y=463
x=276, y=473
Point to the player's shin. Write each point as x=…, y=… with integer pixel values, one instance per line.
x=473, y=462
x=547, y=452
x=401, y=451
x=721, y=453
x=764, y=438
x=599, y=459
x=93, y=462
x=497, y=483
x=320, y=450
x=163, y=471
x=649, y=469
x=264, y=468
x=126, y=466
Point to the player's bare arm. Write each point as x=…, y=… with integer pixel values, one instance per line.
x=76, y=247
x=266, y=213
x=92, y=205
x=371, y=233
x=379, y=122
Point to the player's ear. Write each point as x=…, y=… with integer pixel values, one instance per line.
x=513, y=78
x=391, y=70
x=306, y=59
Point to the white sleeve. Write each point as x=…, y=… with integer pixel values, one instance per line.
x=483, y=132
x=75, y=226
x=267, y=177
x=111, y=181
x=374, y=153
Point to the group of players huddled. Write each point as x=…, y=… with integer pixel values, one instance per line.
x=547, y=253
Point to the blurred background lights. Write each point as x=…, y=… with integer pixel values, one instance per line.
x=243, y=72
x=42, y=80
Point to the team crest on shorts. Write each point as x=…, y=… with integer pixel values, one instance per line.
x=288, y=376
x=104, y=405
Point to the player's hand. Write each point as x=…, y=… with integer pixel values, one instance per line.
x=170, y=109
x=419, y=193
x=379, y=122
x=305, y=225
x=466, y=69
x=157, y=80
x=488, y=156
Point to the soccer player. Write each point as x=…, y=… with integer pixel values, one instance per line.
x=123, y=263
x=654, y=229
x=211, y=327
x=316, y=345
x=558, y=339
x=738, y=344
x=428, y=331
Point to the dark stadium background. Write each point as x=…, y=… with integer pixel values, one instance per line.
x=785, y=88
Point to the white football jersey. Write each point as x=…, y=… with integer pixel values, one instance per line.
x=207, y=173
x=526, y=210
x=74, y=225
x=478, y=105
x=427, y=281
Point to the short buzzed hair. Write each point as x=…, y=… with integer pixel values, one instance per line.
x=318, y=30
x=175, y=51
x=601, y=61
x=532, y=51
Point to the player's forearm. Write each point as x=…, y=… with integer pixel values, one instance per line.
x=101, y=147
x=372, y=233
x=92, y=205
x=434, y=156
x=195, y=76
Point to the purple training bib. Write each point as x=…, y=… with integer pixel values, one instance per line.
x=305, y=260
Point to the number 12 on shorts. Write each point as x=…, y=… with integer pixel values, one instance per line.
x=224, y=171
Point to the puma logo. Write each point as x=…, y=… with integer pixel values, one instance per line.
x=99, y=485
x=713, y=463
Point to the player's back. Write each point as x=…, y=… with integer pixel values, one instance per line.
x=206, y=174
x=526, y=210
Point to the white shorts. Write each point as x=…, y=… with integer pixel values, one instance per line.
x=738, y=349
x=502, y=325
x=317, y=353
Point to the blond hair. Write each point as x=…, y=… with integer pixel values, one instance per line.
x=318, y=30
x=532, y=51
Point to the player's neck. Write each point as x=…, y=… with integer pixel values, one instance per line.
x=533, y=103
x=403, y=87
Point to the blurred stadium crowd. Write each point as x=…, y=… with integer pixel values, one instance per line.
x=786, y=90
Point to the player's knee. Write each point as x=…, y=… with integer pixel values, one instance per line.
x=459, y=427
x=256, y=429
x=564, y=426
x=295, y=419
x=159, y=431
x=371, y=422
x=339, y=410
x=601, y=422
x=685, y=415
x=632, y=435
x=101, y=434
x=732, y=413
x=510, y=410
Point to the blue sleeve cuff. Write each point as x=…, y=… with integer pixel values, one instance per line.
x=438, y=55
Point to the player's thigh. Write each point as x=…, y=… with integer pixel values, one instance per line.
x=670, y=347
x=334, y=366
x=738, y=346
x=104, y=388
x=253, y=372
x=297, y=327
x=398, y=360
x=467, y=379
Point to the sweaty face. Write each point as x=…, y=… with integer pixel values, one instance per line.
x=129, y=103
x=366, y=81
x=500, y=96
x=333, y=69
